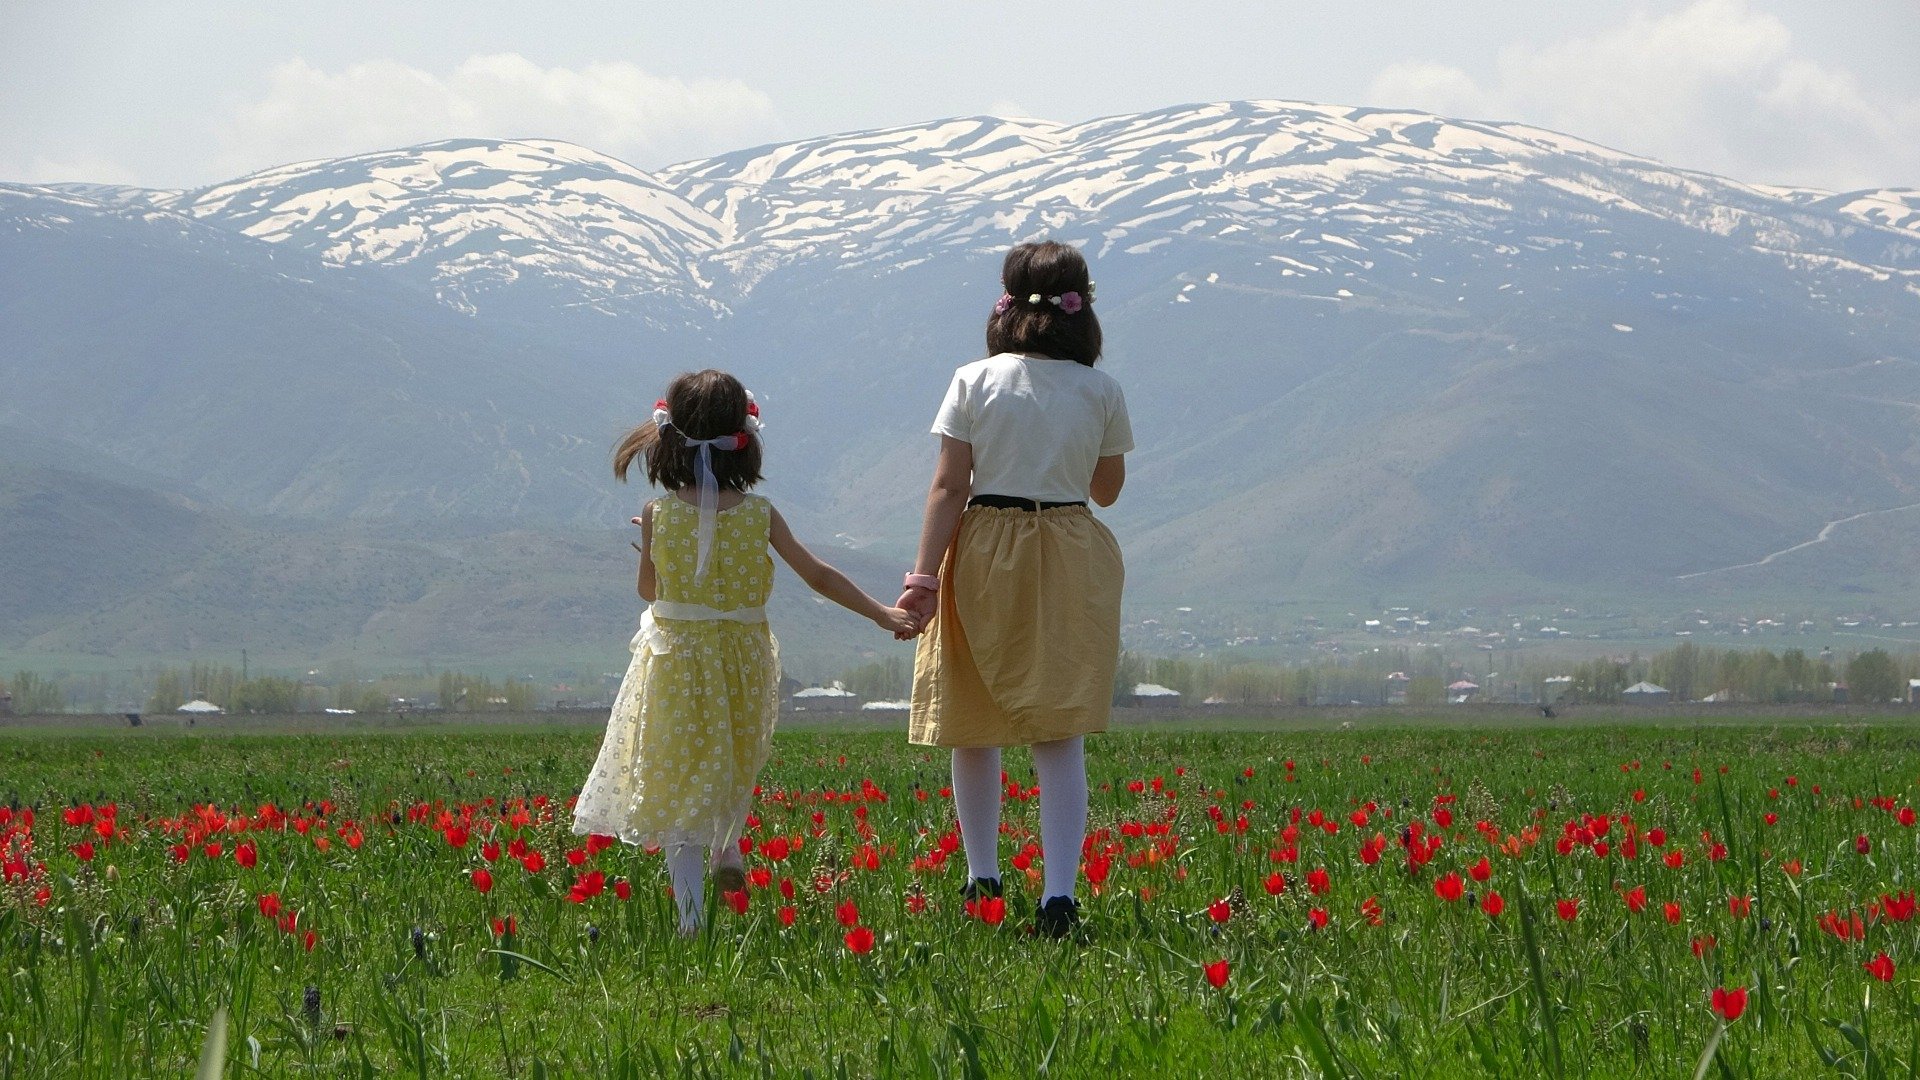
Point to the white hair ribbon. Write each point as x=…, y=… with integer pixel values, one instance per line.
x=708, y=484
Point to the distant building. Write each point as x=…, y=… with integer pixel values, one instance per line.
x=1839, y=693
x=825, y=699
x=1397, y=688
x=6, y=704
x=200, y=707
x=884, y=707
x=1646, y=693
x=1913, y=695
x=1461, y=691
x=1155, y=695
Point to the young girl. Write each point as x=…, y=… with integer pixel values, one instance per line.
x=691, y=725
x=1025, y=610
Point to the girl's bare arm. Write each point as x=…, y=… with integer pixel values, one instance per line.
x=833, y=584
x=649, y=581
x=1109, y=476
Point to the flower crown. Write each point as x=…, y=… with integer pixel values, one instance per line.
x=739, y=439
x=1069, y=302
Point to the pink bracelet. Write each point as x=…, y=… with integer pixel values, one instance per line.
x=923, y=581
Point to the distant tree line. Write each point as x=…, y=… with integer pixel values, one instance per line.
x=33, y=694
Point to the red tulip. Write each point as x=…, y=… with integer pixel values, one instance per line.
x=1880, y=967
x=1317, y=918
x=1481, y=870
x=247, y=855
x=1636, y=899
x=212, y=851
x=269, y=904
x=1729, y=1003
x=848, y=913
x=859, y=940
x=1219, y=911
x=84, y=850
x=1493, y=905
x=1275, y=884
x=1739, y=906
x=1568, y=910
x=787, y=914
x=1861, y=844
x=1672, y=912
x=1905, y=816
x=1449, y=887
x=490, y=850
x=312, y=939
x=623, y=889
x=1317, y=881
x=483, y=881
x=534, y=862
x=737, y=900
x=1217, y=973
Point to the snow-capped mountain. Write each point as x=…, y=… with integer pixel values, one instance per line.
x=1366, y=348
x=478, y=218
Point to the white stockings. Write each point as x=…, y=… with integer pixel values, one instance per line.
x=1061, y=767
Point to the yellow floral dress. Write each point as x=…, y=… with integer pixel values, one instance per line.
x=693, y=721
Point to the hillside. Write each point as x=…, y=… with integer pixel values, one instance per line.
x=1366, y=350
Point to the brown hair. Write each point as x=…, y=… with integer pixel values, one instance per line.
x=704, y=405
x=1046, y=269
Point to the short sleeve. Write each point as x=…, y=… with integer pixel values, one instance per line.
x=1118, y=438
x=955, y=418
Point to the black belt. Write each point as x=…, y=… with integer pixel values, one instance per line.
x=1010, y=502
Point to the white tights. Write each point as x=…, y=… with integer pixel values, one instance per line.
x=687, y=871
x=1061, y=767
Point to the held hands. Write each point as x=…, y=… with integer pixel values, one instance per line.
x=919, y=605
x=903, y=625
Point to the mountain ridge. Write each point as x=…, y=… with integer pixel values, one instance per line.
x=1365, y=348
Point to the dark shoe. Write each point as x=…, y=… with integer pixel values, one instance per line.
x=730, y=879
x=980, y=888
x=1057, y=918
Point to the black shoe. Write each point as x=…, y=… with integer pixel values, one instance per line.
x=980, y=887
x=1057, y=918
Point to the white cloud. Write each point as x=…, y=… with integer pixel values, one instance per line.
x=1715, y=85
x=615, y=108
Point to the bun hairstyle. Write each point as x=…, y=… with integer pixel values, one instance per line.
x=1047, y=327
x=703, y=405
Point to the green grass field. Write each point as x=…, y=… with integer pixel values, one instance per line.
x=324, y=889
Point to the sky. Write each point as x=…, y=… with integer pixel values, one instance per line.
x=170, y=93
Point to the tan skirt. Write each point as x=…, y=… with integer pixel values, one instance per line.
x=1024, y=647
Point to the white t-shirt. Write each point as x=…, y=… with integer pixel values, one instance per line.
x=1037, y=426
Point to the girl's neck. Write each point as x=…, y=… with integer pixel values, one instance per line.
x=729, y=498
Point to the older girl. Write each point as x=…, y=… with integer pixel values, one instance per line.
x=1020, y=581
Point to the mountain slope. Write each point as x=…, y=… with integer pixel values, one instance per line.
x=266, y=379
x=1365, y=349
